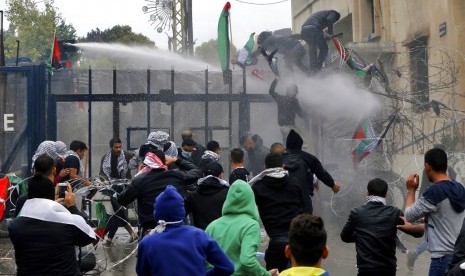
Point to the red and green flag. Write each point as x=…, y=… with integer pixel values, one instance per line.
x=102, y=219
x=55, y=57
x=366, y=140
x=224, y=42
x=351, y=59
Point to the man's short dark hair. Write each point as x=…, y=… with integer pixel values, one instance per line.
x=146, y=148
x=43, y=165
x=213, y=146
x=77, y=145
x=114, y=141
x=40, y=187
x=237, y=155
x=188, y=142
x=212, y=168
x=377, y=187
x=187, y=133
x=274, y=160
x=437, y=159
x=307, y=239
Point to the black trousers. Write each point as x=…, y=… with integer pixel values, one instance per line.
x=274, y=254
x=318, y=48
x=119, y=219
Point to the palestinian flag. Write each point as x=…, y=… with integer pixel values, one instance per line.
x=55, y=58
x=102, y=219
x=244, y=56
x=367, y=140
x=351, y=59
x=224, y=43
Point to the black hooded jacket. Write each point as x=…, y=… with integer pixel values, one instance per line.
x=302, y=165
x=146, y=187
x=323, y=19
x=287, y=106
x=279, y=200
x=206, y=203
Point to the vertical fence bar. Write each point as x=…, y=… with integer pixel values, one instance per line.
x=148, y=102
x=206, y=108
x=172, y=104
x=115, y=107
x=90, y=123
x=230, y=110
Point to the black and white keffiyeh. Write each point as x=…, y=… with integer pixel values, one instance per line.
x=158, y=139
x=51, y=148
x=373, y=198
x=122, y=165
x=273, y=172
x=210, y=155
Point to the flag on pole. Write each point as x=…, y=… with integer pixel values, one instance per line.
x=4, y=185
x=367, y=140
x=55, y=57
x=351, y=59
x=244, y=56
x=224, y=42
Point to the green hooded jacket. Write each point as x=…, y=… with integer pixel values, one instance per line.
x=237, y=232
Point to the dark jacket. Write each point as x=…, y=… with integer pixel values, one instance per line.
x=323, y=19
x=287, y=107
x=239, y=173
x=146, y=187
x=206, y=202
x=373, y=229
x=46, y=248
x=256, y=156
x=279, y=200
x=197, y=154
x=284, y=44
x=294, y=158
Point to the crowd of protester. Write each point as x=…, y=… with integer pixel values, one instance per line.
x=192, y=220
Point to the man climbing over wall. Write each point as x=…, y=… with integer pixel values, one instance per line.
x=312, y=33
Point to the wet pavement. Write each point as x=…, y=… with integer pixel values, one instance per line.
x=119, y=259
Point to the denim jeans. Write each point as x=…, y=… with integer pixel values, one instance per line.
x=438, y=266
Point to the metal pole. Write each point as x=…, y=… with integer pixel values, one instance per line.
x=89, y=131
x=148, y=102
x=115, y=108
x=206, y=108
x=172, y=103
x=189, y=26
x=230, y=110
x=17, y=52
x=2, y=48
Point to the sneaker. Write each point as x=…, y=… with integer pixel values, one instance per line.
x=411, y=258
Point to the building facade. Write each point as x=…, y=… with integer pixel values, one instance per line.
x=419, y=45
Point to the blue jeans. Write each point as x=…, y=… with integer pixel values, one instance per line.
x=438, y=266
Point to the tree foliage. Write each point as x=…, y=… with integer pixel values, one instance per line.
x=208, y=52
x=118, y=34
x=34, y=28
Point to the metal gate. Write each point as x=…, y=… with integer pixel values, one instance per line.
x=22, y=120
x=96, y=105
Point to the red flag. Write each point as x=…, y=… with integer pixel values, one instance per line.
x=56, y=54
x=4, y=185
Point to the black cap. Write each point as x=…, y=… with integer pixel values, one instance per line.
x=212, y=168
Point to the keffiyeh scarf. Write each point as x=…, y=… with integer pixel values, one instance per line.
x=152, y=161
x=158, y=139
x=376, y=199
x=211, y=156
x=122, y=166
x=273, y=172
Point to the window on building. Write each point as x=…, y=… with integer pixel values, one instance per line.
x=419, y=71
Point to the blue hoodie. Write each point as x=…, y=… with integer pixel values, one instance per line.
x=442, y=205
x=179, y=249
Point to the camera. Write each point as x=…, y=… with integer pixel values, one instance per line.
x=62, y=188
